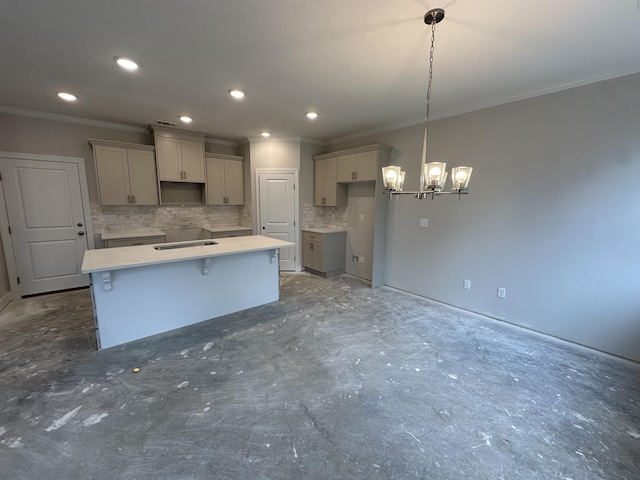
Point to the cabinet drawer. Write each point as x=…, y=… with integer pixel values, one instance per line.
x=312, y=237
x=231, y=233
x=130, y=242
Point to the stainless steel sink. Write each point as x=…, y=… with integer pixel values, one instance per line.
x=169, y=246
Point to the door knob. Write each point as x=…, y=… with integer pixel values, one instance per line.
x=264, y=228
x=80, y=233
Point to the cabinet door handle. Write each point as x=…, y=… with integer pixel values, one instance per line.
x=133, y=199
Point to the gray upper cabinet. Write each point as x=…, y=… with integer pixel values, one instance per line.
x=225, y=182
x=126, y=173
x=326, y=191
x=180, y=155
x=357, y=167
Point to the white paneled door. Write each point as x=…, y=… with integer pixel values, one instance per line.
x=277, y=212
x=47, y=221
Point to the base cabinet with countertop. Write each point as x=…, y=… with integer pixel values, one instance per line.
x=133, y=238
x=323, y=250
x=358, y=170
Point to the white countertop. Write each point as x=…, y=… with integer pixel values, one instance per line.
x=106, y=259
x=132, y=234
x=324, y=230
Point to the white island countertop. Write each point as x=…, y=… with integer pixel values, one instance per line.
x=106, y=259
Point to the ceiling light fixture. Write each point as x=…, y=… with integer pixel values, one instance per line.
x=126, y=63
x=265, y=134
x=186, y=119
x=237, y=94
x=67, y=96
x=312, y=115
x=433, y=175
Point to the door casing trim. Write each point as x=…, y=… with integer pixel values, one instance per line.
x=296, y=200
x=7, y=243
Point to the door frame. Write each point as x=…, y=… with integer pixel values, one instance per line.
x=7, y=241
x=296, y=201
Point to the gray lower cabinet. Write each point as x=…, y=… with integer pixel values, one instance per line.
x=324, y=253
x=132, y=241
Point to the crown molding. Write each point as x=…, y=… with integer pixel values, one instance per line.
x=217, y=141
x=94, y=123
x=69, y=119
x=631, y=70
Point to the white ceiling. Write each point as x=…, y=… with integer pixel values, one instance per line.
x=361, y=64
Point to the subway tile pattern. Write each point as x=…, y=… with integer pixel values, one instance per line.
x=132, y=217
x=314, y=216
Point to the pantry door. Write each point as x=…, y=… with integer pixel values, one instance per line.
x=277, y=211
x=49, y=220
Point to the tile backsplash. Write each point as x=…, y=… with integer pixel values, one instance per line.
x=153, y=217
x=313, y=216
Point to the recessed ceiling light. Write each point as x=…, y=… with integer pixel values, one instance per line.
x=186, y=119
x=126, y=63
x=312, y=115
x=265, y=134
x=237, y=94
x=67, y=96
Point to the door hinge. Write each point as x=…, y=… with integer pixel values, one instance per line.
x=294, y=186
x=10, y=230
x=294, y=223
x=18, y=280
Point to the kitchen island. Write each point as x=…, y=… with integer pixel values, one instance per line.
x=149, y=289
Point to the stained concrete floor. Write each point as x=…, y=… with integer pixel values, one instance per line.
x=334, y=381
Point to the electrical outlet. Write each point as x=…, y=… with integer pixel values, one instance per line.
x=362, y=217
x=466, y=284
x=502, y=292
x=424, y=222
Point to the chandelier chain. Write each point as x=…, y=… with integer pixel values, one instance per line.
x=433, y=39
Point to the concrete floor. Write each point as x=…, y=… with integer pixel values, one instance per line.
x=334, y=381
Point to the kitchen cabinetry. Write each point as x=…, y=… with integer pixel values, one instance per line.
x=180, y=155
x=225, y=183
x=126, y=173
x=357, y=167
x=323, y=251
x=229, y=232
x=326, y=191
x=360, y=171
x=130, y=239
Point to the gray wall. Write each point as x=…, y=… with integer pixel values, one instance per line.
x=552, y=216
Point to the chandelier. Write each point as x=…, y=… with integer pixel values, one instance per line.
x=433, y=175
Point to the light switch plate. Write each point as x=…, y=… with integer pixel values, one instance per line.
x=361, y=259
x=362, y=217
x=424, y=222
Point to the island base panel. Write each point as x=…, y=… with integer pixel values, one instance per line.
x=134, y=303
